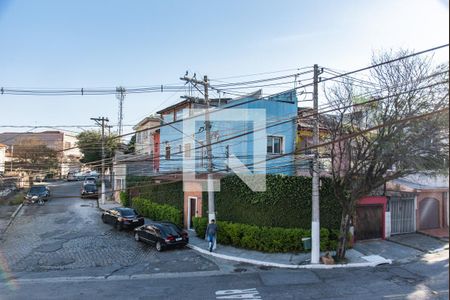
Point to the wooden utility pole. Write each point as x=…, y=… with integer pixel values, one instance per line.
x=211, y=203
x=101, y=122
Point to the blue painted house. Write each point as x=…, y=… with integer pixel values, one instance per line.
x=258, y=132
x=237, y=129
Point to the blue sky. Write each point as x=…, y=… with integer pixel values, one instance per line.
x=61, y=44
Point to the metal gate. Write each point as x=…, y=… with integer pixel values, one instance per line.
x=402, y=215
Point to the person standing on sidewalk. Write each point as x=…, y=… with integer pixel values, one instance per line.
x=211, y=232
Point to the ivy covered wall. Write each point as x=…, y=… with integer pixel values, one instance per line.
x=286, y=203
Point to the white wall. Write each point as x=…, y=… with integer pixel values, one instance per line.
x=387, y=225
x=2, y=159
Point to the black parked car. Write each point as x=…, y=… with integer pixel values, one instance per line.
x=162, y=234
x=89, y=190
x=122, y=217
x=41, y=191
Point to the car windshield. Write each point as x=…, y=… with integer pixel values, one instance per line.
x=90, y=187
x=37, y=189
x=128, y=212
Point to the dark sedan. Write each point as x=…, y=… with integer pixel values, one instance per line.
x=162, y=234
x=122, y=217
x=42, y=191
x=89, y=191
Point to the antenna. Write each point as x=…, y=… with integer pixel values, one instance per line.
x=120, y=95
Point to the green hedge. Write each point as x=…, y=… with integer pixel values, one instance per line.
x=267, y=239
x=158, y=212
x=165, y=193
x=124, y=199
x=286, y=203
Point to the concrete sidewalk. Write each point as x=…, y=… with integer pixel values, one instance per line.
x=282, y=260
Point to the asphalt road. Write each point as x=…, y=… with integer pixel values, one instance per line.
x=63, y=251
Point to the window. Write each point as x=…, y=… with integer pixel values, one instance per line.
x=167, y=152
x=67, y=145
x=274, y=145
x=305, y=143
x=179, y=114
x=203, y=153
x=168, y=117
x=138, y=138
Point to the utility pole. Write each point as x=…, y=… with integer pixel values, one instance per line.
x=315, y=221
x=211, y=203
x=101, y=122
x=120, y=95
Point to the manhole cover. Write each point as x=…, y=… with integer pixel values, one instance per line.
x=85, y=205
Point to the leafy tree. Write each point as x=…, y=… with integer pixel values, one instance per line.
x=131, y=146
x=90, y=144
x=388, y=137
x=33, y=155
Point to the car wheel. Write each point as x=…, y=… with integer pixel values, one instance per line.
x=119, y=226
x=136, y=237
x=103, y=218
x=159, y=247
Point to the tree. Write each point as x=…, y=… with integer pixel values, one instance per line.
x=388, y=137
x=90, y=144
x=131, y=146
x=34, y=155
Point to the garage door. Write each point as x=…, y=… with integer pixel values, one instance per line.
x=429, y=213
x=368, y=223
x=402, y=215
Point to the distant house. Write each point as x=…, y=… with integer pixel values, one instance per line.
x=145, y=135
x=232, y=134
x=143, y=162
x=2, y=158
x=63, y=142
x=125, y=165
x=418, y=202
x=304, y=156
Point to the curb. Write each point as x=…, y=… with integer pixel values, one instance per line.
x=12, y=217
x=422, y=250
x=442, y=239
x=286, y=266
x=406, y=245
